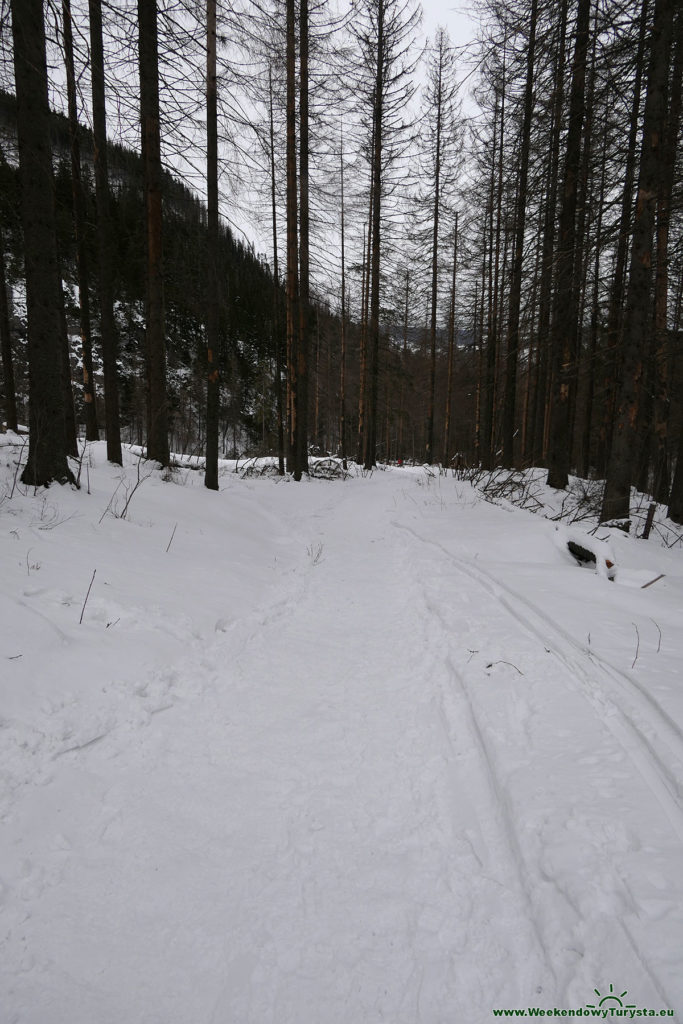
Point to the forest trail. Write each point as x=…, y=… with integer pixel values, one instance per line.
x=392, y=783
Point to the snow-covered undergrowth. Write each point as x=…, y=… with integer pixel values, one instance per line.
x=337, y=752
x=580, y=504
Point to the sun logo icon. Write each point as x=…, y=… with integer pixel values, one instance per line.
x=612, y=998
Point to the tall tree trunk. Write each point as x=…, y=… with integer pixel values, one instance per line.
x=276, y=303
x=542, y=385
x=373, y=324
x=400, y=444
x=293, y=446
x=661, y=334
x=451, y=352
x=105, y=240
x=638, y=316
x=6, y=347
x=429, y=453
x=90, y=410
x=301, y=463
x=510, y=395
x=70, y=427
x=342, y=354
x=582, y=242
x=47, y=454
x=155, y=333
x=364, y=316
x=612, y=356
x=565, y=313
x=592, y=353
x=212, y=371
x=491, y=340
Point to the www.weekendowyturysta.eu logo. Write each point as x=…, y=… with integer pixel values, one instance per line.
x=610, y=1005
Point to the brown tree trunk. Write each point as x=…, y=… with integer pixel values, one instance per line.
x=6, y=348
x=301, y=461
x=276, y=302
x=638, y=315
x=612, y=355
x=565, y=313
x=491, y=340
x=89, y=406
x=593, y=344
x=155, y=334
x=294, y=391
x=661, y=403
x=70, y=428
x=47, y=455
x=429, y=448
x=105, y=242
x=372, y=381
x=342, y=354
x=510, y=395
x=400, y=444
x=451, y=352
x=542, y=383
x=212, y=371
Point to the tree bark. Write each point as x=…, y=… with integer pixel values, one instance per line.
x=105, y=241
x=451, y=352
x=435, y=267
x=661, y=404
x=47, y=455
x=155, y=334
x=373, y=322
x=565, y=313
x=638, y=316
x=342, y=354
x=89, y=406
x=301, y=463
x=510, y=395
x=294, y=392
x=612, y=357
x=542, y=384
x=212, y=371
x=6, y=348
x=276, y=299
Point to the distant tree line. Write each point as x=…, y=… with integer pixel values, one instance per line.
x=503, y=287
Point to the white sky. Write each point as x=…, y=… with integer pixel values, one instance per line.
x=460, y=25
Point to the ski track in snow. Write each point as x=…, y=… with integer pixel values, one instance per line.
x=664, y=779
x=582, y=669
x=369, y=798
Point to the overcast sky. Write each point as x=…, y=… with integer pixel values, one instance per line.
x=461, y=27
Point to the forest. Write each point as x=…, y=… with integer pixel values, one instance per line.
x=468, y=254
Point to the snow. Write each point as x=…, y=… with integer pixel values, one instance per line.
x=348, y=751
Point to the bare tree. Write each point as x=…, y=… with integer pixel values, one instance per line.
x=104, y=238
x=212, y=384
x=638, y=317
x=47, y=456
x=155, y=333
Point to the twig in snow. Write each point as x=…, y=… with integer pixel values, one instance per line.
x=637, y=643
x=110, y=500
x=492, y=663
x=87, y=596
x=660, y=577
x=172, y=536
x=659, y=644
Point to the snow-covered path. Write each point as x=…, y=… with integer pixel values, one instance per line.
x=390, y=780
